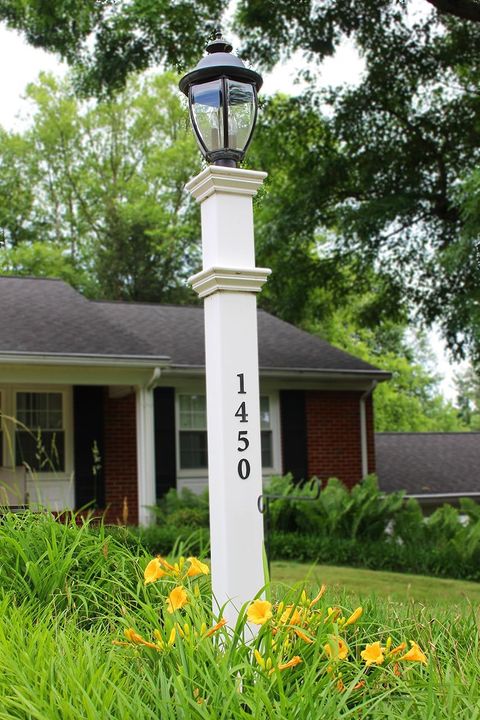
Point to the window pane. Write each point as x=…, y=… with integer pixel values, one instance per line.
x=193, y=450
x=267, y=455
x=265, y=412
x=55, y=402
x=42, y=451
x=193, y=414
x=241, y=113
x=40, y=410
x=207, y=109
x=55, y=420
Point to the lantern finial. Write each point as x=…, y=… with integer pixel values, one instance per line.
x=219, y=44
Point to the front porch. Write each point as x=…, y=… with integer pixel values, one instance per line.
x=84, y=443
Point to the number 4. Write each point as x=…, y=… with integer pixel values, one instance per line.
x=242, y=413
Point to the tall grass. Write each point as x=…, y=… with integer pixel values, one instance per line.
x=68, y=592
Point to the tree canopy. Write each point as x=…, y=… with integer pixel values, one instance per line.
x=385, y=167
x=106, y=40
x=95, y=192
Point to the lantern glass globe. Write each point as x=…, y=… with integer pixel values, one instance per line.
x=222, y=98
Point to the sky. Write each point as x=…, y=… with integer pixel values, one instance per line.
x=22, y=63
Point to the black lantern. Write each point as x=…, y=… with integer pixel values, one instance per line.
x=222, y=99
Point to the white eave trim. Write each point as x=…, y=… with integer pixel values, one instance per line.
x=136, y=361
x=78, y=360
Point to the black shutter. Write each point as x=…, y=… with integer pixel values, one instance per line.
x=294, y=433
x=88, y=423
x=165, y=462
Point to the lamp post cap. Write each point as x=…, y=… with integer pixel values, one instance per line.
x=219, y=62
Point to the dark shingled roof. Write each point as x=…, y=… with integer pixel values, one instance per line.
x=49, y=317
x=424, y=463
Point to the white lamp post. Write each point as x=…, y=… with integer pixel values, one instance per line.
x=222, y=96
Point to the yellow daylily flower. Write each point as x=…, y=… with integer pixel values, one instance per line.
x=259, y=612
x=415, y=654
x=215, y=628
x=159, y=638
x=373, y=654
x=153, y=571
x=291, y=616
x=137, y=639
x=332, y=614
x=400, y=648
x=259, y=659
x=177, y=599
x=296, y=660
x=336, y=648
x=197, y=567
x=166, y=565
x=321, y=592
x=354, y=616
x=302, y=636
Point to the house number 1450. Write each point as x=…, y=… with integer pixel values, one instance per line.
x=243, y=466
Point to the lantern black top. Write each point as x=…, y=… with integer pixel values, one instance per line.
x=222, y=98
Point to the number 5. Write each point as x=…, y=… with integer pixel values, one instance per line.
x=242, y=438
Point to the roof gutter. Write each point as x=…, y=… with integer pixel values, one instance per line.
x=363, y=427
x=440, y=496
x=154, y=379
x=303, y=373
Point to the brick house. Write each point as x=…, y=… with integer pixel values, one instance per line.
x=105, y=401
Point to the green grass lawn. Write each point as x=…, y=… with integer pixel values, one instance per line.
x=386, y=585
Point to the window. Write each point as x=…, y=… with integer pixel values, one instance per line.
x=266, y=432
x=40, y=434
x=193, y=432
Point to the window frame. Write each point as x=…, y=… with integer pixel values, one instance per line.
x=9, y=408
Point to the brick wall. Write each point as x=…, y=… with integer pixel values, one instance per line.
x=120, y=458
x=333, y=435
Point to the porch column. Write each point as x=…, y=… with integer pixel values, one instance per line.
x=145, y=455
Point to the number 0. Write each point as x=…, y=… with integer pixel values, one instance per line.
x=244, y=468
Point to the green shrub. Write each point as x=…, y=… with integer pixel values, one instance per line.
x=362, y=513
x=168, y=539
x=174, y=502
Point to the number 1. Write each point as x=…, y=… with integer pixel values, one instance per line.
x=242, y=384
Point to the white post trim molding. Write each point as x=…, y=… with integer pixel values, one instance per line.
x=145, y=422
x=229, y=283
x=211, y=280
